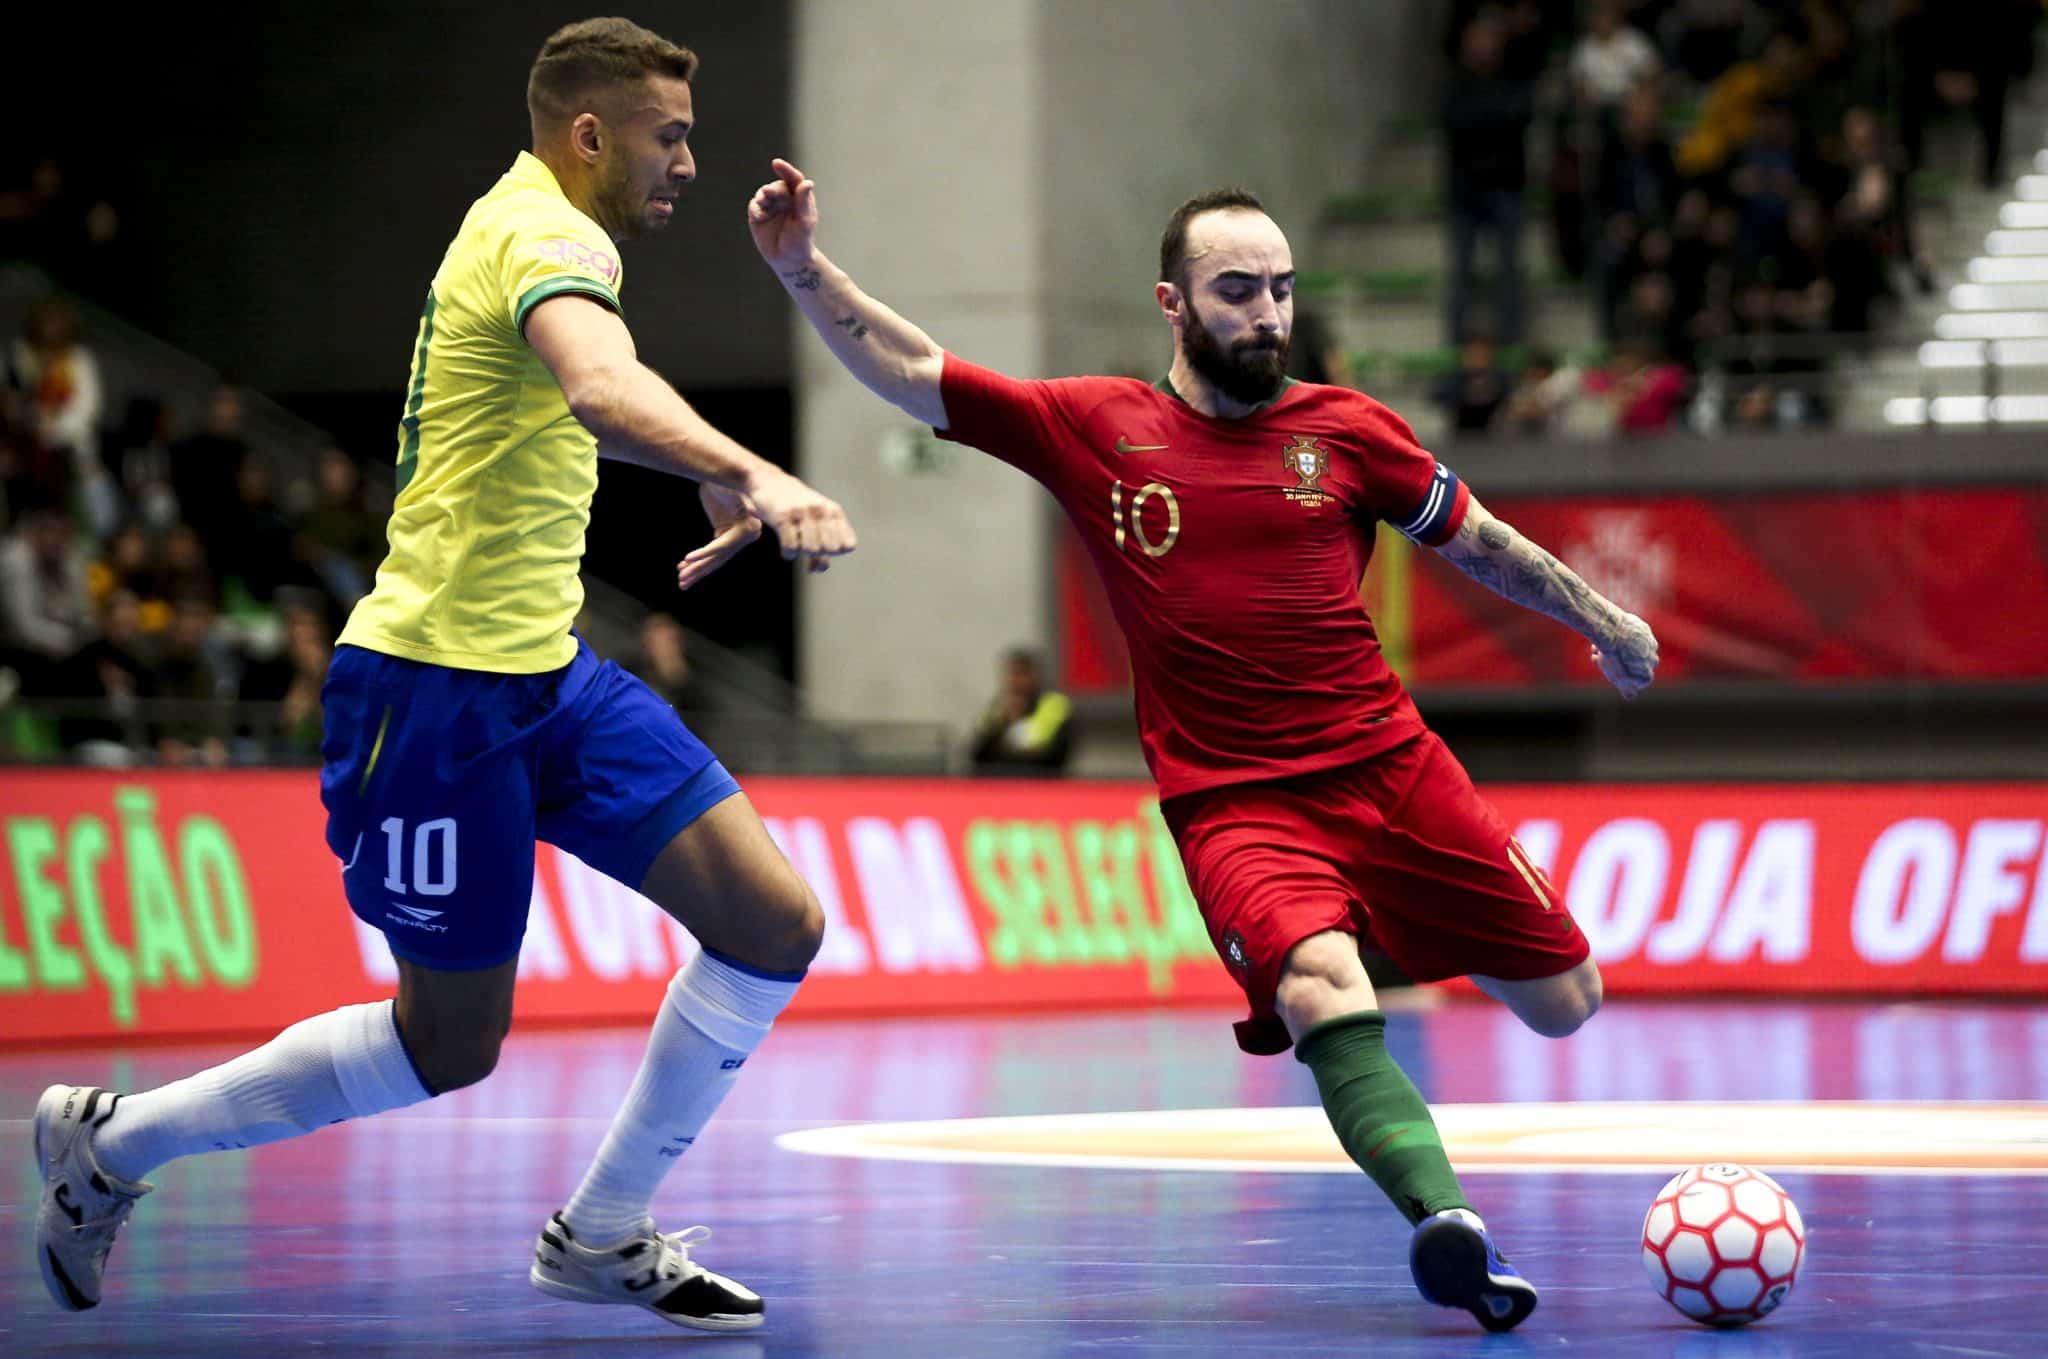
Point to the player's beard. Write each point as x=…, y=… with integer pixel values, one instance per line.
x=1249, y=372
x=621, y=208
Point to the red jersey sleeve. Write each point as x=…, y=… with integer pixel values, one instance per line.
x=1019, y=422
x=1405, y=484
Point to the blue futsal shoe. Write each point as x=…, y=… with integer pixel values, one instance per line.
x=1456, y=1264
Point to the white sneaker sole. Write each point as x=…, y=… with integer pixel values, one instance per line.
x=568, y=1292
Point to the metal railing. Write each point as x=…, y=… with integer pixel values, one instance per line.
x=217, y=733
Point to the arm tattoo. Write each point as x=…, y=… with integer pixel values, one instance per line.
x=805, y=279
x=1518, y=570
x=852, y=325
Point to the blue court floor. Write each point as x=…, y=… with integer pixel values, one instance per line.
x=411, y=1234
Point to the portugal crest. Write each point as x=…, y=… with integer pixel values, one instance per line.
x=1306, y=461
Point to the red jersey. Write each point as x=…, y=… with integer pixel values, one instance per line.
x=1232, y=552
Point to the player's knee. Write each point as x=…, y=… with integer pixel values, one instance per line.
x=1566, y=1011
x=1321, y=979
x=796, y=931
x=449, y=1060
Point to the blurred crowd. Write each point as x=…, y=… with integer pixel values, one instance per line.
x=1729, y=178
x=147, y=558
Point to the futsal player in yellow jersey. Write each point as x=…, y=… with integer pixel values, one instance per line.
x=464, y=718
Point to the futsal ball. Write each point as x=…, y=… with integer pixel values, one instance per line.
x=1723, y=1244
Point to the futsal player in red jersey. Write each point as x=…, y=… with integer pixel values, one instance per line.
x=1230, y=513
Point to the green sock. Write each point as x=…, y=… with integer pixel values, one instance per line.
x=1379, y=1114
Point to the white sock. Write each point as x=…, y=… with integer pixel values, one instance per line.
x=716, y=1013
x=347, y=1063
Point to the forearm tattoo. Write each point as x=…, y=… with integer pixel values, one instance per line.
x=853, y=326
x=1516, y=569
x=805, y=279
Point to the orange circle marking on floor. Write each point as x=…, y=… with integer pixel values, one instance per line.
x=1838, y=1138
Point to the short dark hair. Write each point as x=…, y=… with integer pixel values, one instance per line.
x=580, y=59
x=1173, y=246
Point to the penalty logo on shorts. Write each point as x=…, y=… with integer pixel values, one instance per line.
x=1308, y=461
x=1233, y=951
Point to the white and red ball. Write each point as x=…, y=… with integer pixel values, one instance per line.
x=1723, y=1244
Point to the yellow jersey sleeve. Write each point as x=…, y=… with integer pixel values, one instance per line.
x=549, y=252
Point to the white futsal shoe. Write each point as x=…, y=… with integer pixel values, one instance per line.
x=647, y=1270
x=82, y=1206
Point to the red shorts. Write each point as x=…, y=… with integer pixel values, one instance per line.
x=1399, y=850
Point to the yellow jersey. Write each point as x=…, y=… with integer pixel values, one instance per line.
x=495, y=475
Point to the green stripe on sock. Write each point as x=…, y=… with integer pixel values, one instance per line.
x=1378, y=1114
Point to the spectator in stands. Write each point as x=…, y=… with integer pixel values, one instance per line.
x=126, y=562
x=663, y=664
x=186, y=572
x=1692, y=252
x=1643, y=391
x=45, y=610
x=1610, y=60
x=60, y=378
x=288, y=677
x=1960, y=56
x=1027, y=728
x=1473, y=393
x=193, y=675
x=1804, y=269
x=1864, y=183
x=1486, y=114
x=206, y=464
x=1765, y=179
x=110, y=673
x=258, y=556
x=1728, y=113
x=1650, y=316
x=1868, y=235
x=1541, y=397
x=139, y=456
x=15, y=487
x=338, y=538
x=1637, y=174
x=52, y=364
x=309, y=649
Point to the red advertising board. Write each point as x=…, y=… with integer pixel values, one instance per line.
x=1812, y=587
x=165, y=904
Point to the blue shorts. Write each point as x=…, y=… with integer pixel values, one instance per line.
x=438, y=781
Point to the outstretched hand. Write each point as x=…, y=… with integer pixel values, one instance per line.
x=733, y=525
x=1629, y=658
x=811, y=528
x=783, y=217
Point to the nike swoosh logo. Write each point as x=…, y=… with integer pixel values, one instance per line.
x=354, y=854
x=1124, y=445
